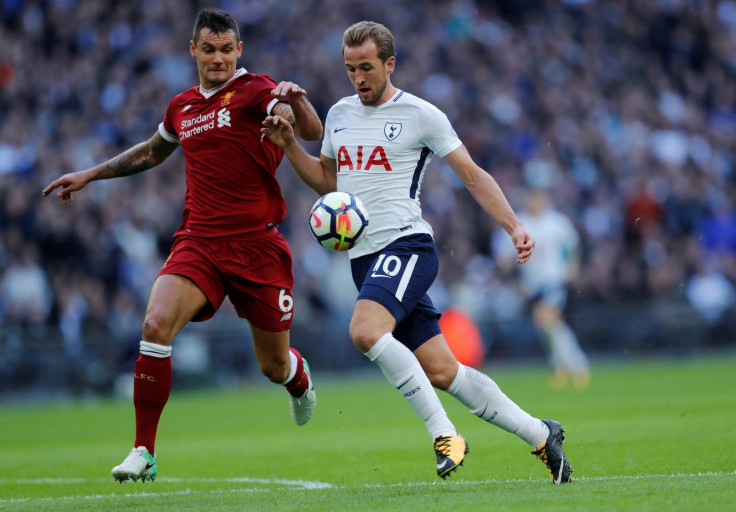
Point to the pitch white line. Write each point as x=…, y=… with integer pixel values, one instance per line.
x=298, y=484
x=305, y=484
x=575, y=479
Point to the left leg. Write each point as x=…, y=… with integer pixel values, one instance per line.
x=269, y=309
x=285, y=366
x=477, y=391
x=485, y=399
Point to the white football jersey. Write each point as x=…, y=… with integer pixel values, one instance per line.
x=381, y=155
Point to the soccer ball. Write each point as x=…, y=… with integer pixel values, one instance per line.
x=338, y=221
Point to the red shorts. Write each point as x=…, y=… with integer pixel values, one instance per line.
x=254, y=271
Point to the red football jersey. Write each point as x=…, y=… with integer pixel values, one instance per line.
x=231, y=169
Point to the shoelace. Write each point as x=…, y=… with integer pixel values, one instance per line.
x=442, y=445
x=542, y=454
x=133, y=455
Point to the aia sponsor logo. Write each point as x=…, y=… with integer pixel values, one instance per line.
x=357, y=161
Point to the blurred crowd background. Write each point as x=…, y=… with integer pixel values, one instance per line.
x=629, y=105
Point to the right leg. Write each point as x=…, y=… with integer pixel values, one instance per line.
x=370, y=329
x=173, y=302
x=393, y=301
x=402, y=369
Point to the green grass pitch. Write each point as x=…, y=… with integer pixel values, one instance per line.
x=644, y=436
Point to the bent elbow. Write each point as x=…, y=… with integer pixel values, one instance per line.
x=314, y=134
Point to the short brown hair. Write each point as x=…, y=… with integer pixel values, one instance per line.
x=217, y=20
x=359, y=33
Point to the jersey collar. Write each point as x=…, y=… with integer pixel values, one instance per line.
x=393, y=99
x=207, y=93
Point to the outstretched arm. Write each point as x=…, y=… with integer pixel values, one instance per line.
x=491, y=198
x=297, y=110
x=139, y=158
x=319, y=173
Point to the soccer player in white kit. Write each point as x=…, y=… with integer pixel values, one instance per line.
x=377, y=146
x=545, y=281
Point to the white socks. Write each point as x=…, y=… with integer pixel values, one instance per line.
x=155, y=350
x=403, y=371
x=485, y=399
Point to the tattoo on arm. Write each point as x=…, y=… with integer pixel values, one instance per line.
x=130, y=162
x=285, y=111
x=139, y=158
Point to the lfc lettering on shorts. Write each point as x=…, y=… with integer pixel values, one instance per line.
x=143, y=376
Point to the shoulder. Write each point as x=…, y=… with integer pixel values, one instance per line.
x=186, y=96
x=560, y=217
x=346, y=103
x=255, y=80
x=343, y=107
x=428, y=117
x=408, y=100
x=561, y=221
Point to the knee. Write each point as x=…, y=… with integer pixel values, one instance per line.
x=442, y=376
x=364, y=336
x=156, y=330
x=545, y=317
x=276, y=370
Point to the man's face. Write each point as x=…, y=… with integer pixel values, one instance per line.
x=369, y=75
x=217, y=56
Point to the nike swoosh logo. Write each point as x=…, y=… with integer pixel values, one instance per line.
x=559, y=476
x=149, y=465
x=404, y=383
x=340, y=129
x=317, y=222
x=379, y=275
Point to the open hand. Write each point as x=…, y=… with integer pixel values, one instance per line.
x=278, y=130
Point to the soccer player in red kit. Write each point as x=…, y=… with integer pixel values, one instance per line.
x=227, y=244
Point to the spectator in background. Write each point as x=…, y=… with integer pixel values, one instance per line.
x=546, y=279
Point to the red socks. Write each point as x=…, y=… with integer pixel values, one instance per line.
x=151, y=391
x=152, y=388
x=297, y=386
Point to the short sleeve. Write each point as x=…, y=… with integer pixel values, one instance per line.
x=263, y=100
x=327, y=149
x=436, y=131
x=166, y=128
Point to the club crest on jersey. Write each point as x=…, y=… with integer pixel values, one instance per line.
x=392, y=130
x=226, y=99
